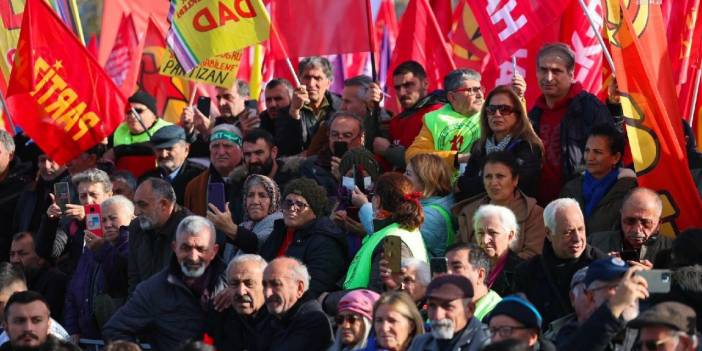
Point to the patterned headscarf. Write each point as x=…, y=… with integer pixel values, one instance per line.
x=268, y=184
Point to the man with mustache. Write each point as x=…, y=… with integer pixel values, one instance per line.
x=278, y=95
x=27, y=323
x=453, y=326
x=545, y=279
x=172, y=306
x=152, y=231
x=638, y=235
x=562, y=117
x=171, y=150
x=297, y=321
x=235, y=328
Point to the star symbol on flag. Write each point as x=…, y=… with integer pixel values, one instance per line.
x=58, y=65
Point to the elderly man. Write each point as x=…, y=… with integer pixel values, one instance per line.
x=60, y=234
x=470, y=261
x=297, y=322
x=545, y=279
x=132, y=131
x=27, y=323
x=235, y=329
x=225, y=155
x=638, y=238
x=516, y=318
x=171, y=151
x=152, y=231
x=171, y=306
x=278, y=94
x=667, y=326
x=298, y=129
x=562, y=117
x=453, y=326
x=232, y=107
x=362, y=97
x=414, y=279
x=41, y=276
x=12, y=181
x=613, y=291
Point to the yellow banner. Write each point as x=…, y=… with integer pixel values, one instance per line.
x=220, y=70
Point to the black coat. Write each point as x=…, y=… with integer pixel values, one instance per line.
x=584, y=112
x=288, y=131
x=504, y=284
x=50, y=283
x=33, y=203
x=594, y=334
x=545, y=280
x=234, y=332
x=61, y=240
x=656, y=249
x=10, y=189
x=305, y=327
x=320, y=245
x=187, y=172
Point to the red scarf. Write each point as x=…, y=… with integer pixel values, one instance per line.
x=286, y=242
x=495, y=272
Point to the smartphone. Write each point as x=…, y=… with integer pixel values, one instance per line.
x=392, y=248
x=216, y=196
x=352, y=213
x=251, y=105
x=203, y=104
x=93, y=219
x=659, y=280
x=438, y=265
x=340, y=148
x=62, y=192
x=629, y=255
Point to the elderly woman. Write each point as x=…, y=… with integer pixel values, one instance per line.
x=601, y=189
x=99, y=284
x=501, y=184
x=354, y=320
x=496, y=232
x=504, y=126
x=431, y=177
x=396, y=322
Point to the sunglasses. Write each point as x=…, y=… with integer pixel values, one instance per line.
x=136, y=109
x=645, y=222
x=351, y=318
x=289, y=204
x=504, y=109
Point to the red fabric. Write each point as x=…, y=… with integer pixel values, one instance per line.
x=320, y=27
x=289, y=234
x=442, y=12
x=122, y=63
x=52, y=64
x=576, y=31
x=645, y=77
x=404, y=130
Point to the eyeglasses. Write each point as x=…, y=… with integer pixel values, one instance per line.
x=138, y=110
x=351, y=318
x=470, y=91
x=645, y=222
x=651, y=345
x=504, y=109
x=505, y=331
x=289, y=204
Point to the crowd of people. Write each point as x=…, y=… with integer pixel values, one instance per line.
x=325, y=222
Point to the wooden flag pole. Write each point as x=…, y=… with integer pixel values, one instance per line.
x=696, y=92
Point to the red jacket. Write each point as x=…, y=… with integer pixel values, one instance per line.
x=405, y=126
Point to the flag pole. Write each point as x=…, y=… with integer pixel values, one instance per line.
x=371, y=40
x=696, y=92
x=7, y=112
x=598, y=35
x=194, y=92
x=76, y=18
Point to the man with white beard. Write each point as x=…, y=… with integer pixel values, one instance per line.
x=613, y=291
x=171, y=307
x=451, y=307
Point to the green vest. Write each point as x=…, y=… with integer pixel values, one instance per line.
x=358, y=275
x=486, y=304
x=122, y=136
x=451, y=130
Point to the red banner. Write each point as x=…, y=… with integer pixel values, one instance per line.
x=58, y=93
x=121, y=64
x=644, y=75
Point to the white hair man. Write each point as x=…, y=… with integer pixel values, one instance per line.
x=171, y=306
x=545, y=279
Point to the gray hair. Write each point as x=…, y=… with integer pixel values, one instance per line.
x=247, y=258
x=648, y=192
x=125, y=176
x=363, y=82
x=477, y=258
x=505, y=215
x=121, y=201
x=298, y=270
x=553, y=207
x=318, y=62
x=276, y=82
x=423, y=272
x=93, y=176
x=195, y=226
x=242, y=88
x=7, y=142
x=162, y=189
x=453, y=80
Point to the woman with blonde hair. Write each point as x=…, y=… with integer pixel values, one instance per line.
x=504, y=126
x=396, y=322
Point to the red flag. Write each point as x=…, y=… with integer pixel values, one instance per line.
x=577, y=32
x=510, y=25
x=649, y=102
x=420, y=39
x=49, y=95
x=121, y=64
x=442, y=12
x=468, y=46
x=320, y=27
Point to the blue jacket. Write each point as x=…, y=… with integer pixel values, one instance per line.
x=434, y=229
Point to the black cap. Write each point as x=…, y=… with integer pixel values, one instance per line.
x=167, y=136
x=450, y=287
x=144, y=98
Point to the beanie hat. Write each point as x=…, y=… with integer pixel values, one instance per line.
x=360, y=157
x=269, y=185
x=359, y=301
x=144, y=98
x=314, y=193
x=518, y=308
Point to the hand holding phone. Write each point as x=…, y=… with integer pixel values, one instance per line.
x=62, y=194
x=340, y=148
x=203, y=104
x=392, y=249
x=658, y=280
x=93, y=219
